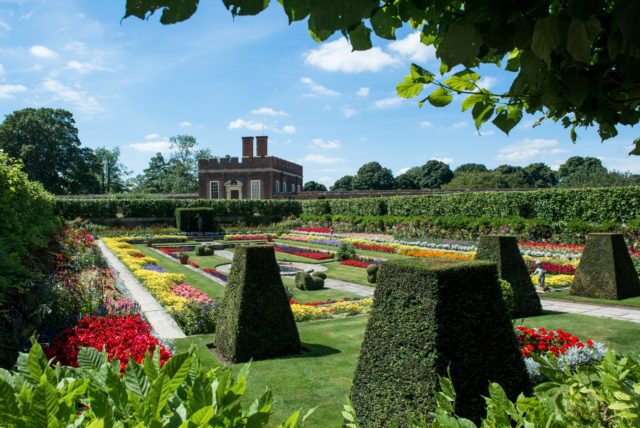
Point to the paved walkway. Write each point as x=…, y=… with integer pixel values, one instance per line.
x=163, y=324
x=621, y=313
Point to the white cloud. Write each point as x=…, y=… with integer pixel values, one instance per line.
x=530, y=149
x=186, y=124
x=459, y=125
x=402, y=171
x=487, y=82
x=268, y=111
x=349, y=111
x=363, y=92
x=326, y=180
x=85, y=67
x=153, y=146
x=314, y=158
x=289, y=129
x=42, y=52
x=79, y=99
x=247, y=124
x=411, y=48
x=487, y=133
x=446, y=160
x=338, y=56
x=317, y=89
x=322, y=144
x=390, y=102
x=8, y=91
x=4, y=27
x=426, y=124
x=151, y=136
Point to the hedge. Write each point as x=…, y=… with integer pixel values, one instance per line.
x=165, y=208
x=428, y=319
x=504, y=251
x=606, y=270
x=187, y=219
x=255, y=319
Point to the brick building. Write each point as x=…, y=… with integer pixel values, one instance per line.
x=252, y=177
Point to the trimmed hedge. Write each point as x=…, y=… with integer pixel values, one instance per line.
x=504, y=251
x=303, y=281
x=255, y=319
x=165, y=208
x=187, y=219
x=426, y=319
x=606, y=270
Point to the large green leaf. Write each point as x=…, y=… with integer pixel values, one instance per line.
x=296, y=10
x=580, y=36
x=461, y=43
x=177, y=370
x=482, y=112
x=74, y=390
x=45, y=405
x=36, y=362
x=90, y=358
x=157, y=398
x=385, y=20
x=547, y=36
x=360, y=37
x=472, y=100
x=506, y=120
x=135, y=379
x=440, y=97
x=245, y=7
x=463, y=81
x=636, y=149
x=8, y=402
x=408, y=88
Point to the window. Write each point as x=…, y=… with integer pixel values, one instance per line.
x=255, y=189
x=214, y=189
x=293, y=188
x=299, y=188
x=277, y=186
x=284, y=187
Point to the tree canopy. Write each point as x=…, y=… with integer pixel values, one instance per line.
x=314, y=186
x=576, y=62
x=373, y=176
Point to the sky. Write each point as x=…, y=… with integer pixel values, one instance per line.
x=133, y=84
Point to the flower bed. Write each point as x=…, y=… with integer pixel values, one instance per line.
x=554, y=268
x=436, y=254
x=555, y=281
x=314, y=229
x=356, y=263
x=121, y=337
x=216, y=273
x=375, y=247
x=310, y=312
x=245, y=237
x=304, y=252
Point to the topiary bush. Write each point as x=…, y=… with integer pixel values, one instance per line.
x=345, y=252
x=317, y=283
x=303, y=281
x=319, y=274
x=372, y=274
x=504, y=251
x=204, y=250
x=255, y=319
x=606, y=270
x=428, y=319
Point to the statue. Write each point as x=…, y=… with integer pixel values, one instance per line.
x=200, y=225
x=540, y=273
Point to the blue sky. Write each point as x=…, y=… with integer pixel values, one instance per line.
x=133, y=84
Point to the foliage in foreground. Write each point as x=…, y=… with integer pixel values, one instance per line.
x=179, y=393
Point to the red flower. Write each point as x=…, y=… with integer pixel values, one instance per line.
x=356, y=263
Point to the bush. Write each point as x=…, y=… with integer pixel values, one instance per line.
x=345, y=252
x=255, y=319
x=425, y=320
x=372, y=274
x=27, y=220
x=507, y=296
x=303, y=281
x=606, y=270
x=204, y=250
x=319, y=274
x=504, y=251
x=317, y=283
x=187, y=219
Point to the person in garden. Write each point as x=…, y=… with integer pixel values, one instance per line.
x=540, y=273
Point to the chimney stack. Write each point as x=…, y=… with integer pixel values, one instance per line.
x=261, y=145
x=247, y=147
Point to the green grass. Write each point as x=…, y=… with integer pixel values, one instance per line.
x=323, y=376
x=303, y=296
x=564, y=295
x=208, y=261
x=202, y=283
x=347, y=273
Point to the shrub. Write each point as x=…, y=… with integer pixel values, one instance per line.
x=372, y=274
x=319, y=274
x=255, y=319
x=187, y=219
x=346, y=252
x=204, y=250
x=426, y=319
x=606, y=270
x=317, y=283
x=303, y=281
x=504, y=251
x=507, y=296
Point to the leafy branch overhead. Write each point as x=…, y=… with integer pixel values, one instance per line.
x=576, y=62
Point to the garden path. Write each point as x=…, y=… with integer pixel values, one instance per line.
x=163, y=325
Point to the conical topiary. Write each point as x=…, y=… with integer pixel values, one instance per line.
x=426, y=320
x=606, y=270
x=504, y=251
x=255, y=320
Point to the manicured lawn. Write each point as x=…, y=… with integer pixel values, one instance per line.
x=347, y=273
x=325, y=294
x=564, y=295
x=213, y=289
x=323, y=376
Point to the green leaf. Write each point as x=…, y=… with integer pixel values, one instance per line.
x=482, y=112
x=606, y=131
x=296, y=10
x=472, y=100
x=173, y=11
x=177, y=370
x=157, y=398
x=636, y=149
x=462, y=81
x=45, y=405
x=90, y=358
x=116, y=390
x=36, y=362
x=135, y=379
x=461, y=43
x=244, y=7
x=513, y=61
x=421, y=75
x=202, y=416
x=385, y=20
x=440, y=97
x=580, y=36
x=547, y=36
x=360, y=38
x=74, y=391
x=408, y=88
x=8, y=402
x=506, y=120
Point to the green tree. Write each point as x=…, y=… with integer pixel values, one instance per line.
x=434, y=174
x=111, y=171
x=46, y=140
x=470, y=167
x=373, y=176
x=514, y=176
x=581, y=165
x=574, y=62
x=343, y=183
x=153, y=178
x=314, y=186
x=539, y=175
x=409, y=179
x=477, y=180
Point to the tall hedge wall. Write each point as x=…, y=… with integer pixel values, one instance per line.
x=165, y=208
